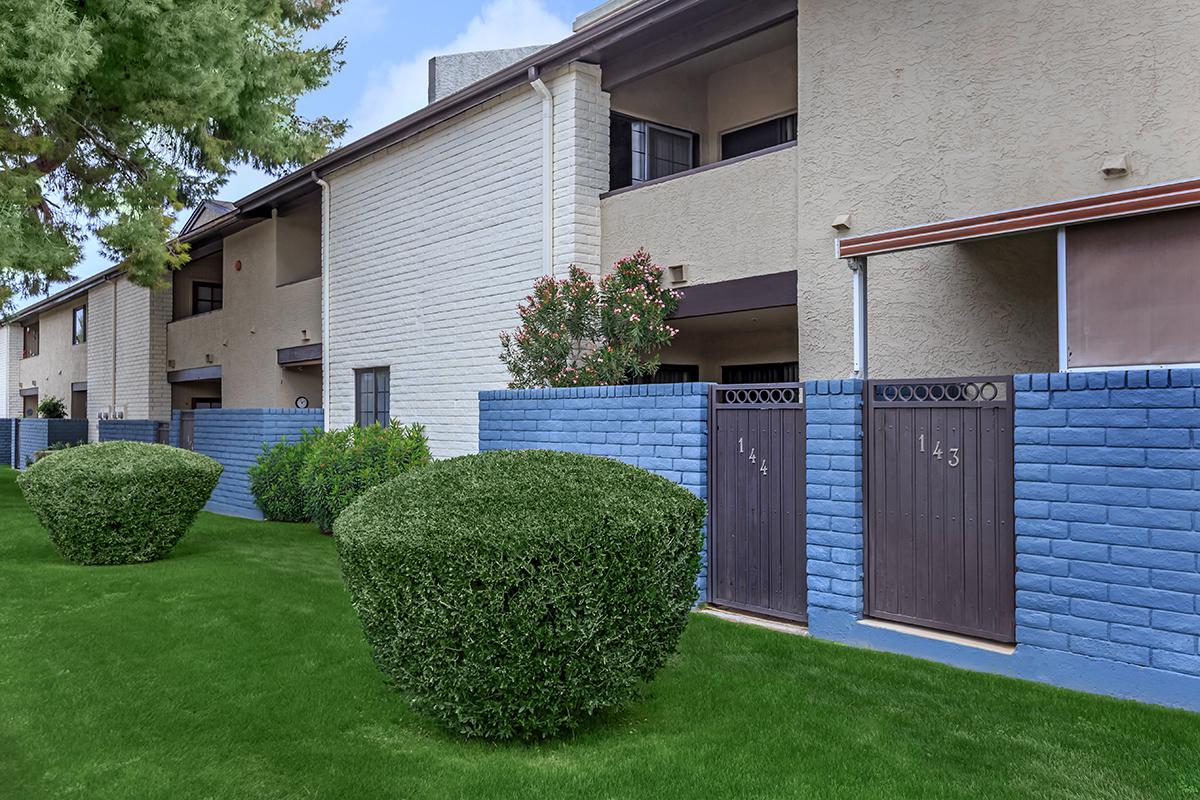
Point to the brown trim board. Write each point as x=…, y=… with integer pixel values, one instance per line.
x=742, y=294
x=212, y=373
x=303, y=354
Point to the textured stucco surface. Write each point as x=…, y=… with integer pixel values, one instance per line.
x=454, y=71
x=257, y=319
x=912, y=111
x=732, y=221
x=58, y=363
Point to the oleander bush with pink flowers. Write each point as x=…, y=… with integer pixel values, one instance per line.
x=576, y=331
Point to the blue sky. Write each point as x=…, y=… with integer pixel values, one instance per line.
x=388, y=47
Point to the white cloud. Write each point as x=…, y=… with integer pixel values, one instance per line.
x=402, y=88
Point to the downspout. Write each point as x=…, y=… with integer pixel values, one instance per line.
x=539, y=86
x=112, y=411
x=325, y=381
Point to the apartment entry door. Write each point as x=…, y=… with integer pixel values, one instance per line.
x=756, y=523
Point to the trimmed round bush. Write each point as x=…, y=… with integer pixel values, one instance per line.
x=341, y=465
x=518, y=594
x=275, y=478
x=118, y=502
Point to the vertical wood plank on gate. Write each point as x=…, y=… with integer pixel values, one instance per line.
x=799, y=495
x=921, y=511
x=941, y=536
x=969, y=465
x=776, y=493
x=906, y=544
x=954, y=520
x=988, y=545
x=1006, y=536
x=743, y=576
x=763, y=484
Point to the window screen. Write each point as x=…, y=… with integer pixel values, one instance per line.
x=372, y=400
x=759, y=137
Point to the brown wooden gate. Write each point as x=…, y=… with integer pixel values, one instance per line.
x=757, y=487
x=940, y=548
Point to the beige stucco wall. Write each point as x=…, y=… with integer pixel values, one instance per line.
x=765, y=336
x=256, y=320
x=714, y=101
x=732, y=221
x=913, y=111
x=58, y=363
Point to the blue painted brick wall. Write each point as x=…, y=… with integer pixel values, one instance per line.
x=38, y=434
x=8, y=442
x=835, y=495
x=663, y=429
x=128, y=430
x=235, y=436
x=1108, y=515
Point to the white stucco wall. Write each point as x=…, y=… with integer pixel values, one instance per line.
x=913, y=111
x=436, y=240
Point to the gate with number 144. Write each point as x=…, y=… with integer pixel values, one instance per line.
x=757, y=487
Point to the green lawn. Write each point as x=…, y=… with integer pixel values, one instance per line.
x=235, y=669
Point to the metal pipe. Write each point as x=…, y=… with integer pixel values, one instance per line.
x=858, y=266
x=1064, y=352
x=543, y=91
x=325, y=235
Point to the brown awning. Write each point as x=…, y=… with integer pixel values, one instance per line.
x=1130, y=202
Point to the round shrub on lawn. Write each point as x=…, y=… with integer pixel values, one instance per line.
x=118, y=502
x=341, y=465
x=275, y=478
x=515, y=594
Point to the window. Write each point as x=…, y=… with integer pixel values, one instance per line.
x=643, y=151
x=30, y=347
x=206, y=402
x=79, y=325
x=758, y=137
x=371, y=396
x=206, y=297
x=788, y=372
x=672, y=373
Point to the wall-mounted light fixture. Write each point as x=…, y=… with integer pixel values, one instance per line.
x=841, y=222
x=677, y=273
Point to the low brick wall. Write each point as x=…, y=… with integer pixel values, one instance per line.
x=38, y=434
x=1108, y=517
x=128, y=430
x=234, y=437
x=835, y=497
x=8, y=442
x=663, y=429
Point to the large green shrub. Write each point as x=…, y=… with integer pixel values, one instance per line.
x=275, y=478
x=516, y=594
x=341, y=465
x=118, y=502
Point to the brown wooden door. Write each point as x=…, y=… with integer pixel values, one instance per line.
x=757, y=524
x=940, y=547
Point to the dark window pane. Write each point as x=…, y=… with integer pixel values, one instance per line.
x=671, y=373
x=788, y=372
x=620, y=158
x=759, y=137
x=669, y=153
